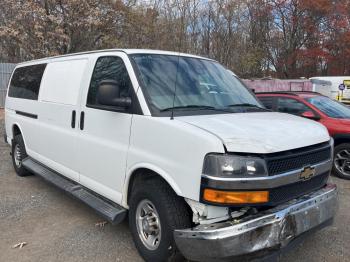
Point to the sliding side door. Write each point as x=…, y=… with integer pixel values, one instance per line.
x=59, y=107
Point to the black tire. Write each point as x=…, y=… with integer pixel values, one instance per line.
x=338, y=149
x=173, y=214
x=19, y=168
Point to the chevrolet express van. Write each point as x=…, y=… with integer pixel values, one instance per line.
x=179, y=144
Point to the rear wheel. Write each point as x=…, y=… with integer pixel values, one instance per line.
x=155, y=212
x=18, y=154
x=341, y=163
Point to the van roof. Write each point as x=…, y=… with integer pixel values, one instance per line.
x=127, y=51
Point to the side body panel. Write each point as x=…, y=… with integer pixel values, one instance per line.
x=103, y=147
x=336, y=126
x=104, y=141
x=24, y=123
x=59, y=97
x=171, y=148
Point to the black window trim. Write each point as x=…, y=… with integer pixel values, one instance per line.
x=135, y=107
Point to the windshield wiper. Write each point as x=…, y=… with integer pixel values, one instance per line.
x=248, y=105
x=199, y=107
x=206, y=107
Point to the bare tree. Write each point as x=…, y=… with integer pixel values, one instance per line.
x=255, y=38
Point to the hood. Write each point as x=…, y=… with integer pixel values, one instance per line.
x=263, y=132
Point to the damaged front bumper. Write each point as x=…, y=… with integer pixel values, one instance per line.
x=261, y=234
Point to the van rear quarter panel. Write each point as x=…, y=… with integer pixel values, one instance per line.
x=173, y=149
x=28, y=126
x=12, y=105
x=49, y=137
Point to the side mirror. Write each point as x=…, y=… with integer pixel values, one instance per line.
x=310, y=115
x=108, y=94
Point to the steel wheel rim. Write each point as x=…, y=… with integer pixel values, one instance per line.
x=148, y=224
x=17, y=156
x=342, y=162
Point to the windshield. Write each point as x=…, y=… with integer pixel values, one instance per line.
x=330, y=107
x=200, y=84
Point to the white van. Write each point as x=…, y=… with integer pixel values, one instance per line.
x=324, y=87
x=329, y=86
x=178, y=143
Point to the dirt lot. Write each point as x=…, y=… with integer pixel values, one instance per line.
x=59, y=228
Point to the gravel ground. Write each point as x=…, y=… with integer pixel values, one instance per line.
x=59, y=228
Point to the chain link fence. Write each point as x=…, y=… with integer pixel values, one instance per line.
x=5, y=73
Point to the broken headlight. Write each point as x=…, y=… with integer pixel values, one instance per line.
x=224, y=165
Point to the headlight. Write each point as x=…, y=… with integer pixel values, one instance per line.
x=233, y=166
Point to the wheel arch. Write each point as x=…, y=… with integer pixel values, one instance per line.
x=341, y=138
x=17, y=130
x=141, y=171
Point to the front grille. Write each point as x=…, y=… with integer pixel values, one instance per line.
x=297, y=159
x=285, y=193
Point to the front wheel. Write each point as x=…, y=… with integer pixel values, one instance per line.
x=155, y=212
x=341, y=162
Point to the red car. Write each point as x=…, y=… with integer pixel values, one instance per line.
x=334, y=115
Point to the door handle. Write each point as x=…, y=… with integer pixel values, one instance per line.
x=73, y=119
x=82, y=116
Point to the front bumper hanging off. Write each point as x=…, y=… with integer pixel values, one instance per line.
x=261, y=234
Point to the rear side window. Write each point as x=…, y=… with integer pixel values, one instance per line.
x=109, y=68
x=25, y=82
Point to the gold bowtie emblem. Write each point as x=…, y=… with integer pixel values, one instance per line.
x=307, y=173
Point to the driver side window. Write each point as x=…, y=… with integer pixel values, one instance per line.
x=291, y=106
x=109, y=68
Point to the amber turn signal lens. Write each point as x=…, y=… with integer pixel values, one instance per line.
x=239, y=197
